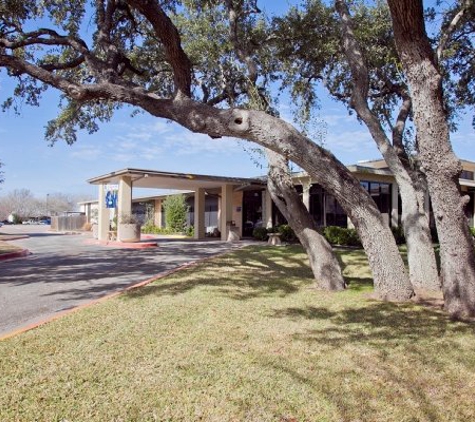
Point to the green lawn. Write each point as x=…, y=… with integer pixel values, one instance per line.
x=243, y=337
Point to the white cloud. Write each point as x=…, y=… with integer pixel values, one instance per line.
x=87, y=153
x=352, y=146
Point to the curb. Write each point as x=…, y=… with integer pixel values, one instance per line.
x=13, y=255
x=112, y=295
x=124, y=245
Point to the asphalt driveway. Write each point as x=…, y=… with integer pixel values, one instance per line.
x=65, y=271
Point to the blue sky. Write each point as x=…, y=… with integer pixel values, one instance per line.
x=150, y=143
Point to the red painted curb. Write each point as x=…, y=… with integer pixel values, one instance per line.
x=12, y=255
x=112, y=295
x=125, y=245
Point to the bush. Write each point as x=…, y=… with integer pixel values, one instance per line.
x=260, y=233
x=150, y=228
x=472, y=230
x=190, y=231
x=286, y=233
x=175, y=212
x=341, y=236
x=398, y=233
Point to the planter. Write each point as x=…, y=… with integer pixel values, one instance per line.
x=129, y=233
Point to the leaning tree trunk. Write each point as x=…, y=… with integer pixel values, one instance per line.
x=421, y=257
x=323, y=261
x=439, y=162
x=391, y=281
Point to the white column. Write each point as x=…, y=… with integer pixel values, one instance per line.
x=266, y=210
x=226, y=210
x=395, y=205
x=103, y=215
x=158, y=213
x=306, y=195
x=200, y=214
x=124, y=201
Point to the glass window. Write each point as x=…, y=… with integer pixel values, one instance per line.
x=381, y=194
x=466, y=174
x=316, y=204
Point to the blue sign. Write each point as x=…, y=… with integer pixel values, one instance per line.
x=111, y=199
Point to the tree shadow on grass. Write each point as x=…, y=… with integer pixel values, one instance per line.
x=421, y=335
x=239, y=275
x=376, y=324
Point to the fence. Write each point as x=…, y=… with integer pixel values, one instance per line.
x=65, y=223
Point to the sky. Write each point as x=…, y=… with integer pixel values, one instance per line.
x=146, y=142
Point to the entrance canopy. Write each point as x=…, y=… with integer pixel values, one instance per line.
x=128, y=178
x=153, y=179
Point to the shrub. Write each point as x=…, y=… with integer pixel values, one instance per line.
x=286, y=233
x=472, y=230
x=190, y=231
x=175, y=212
x=260, y=233
x=341, y=236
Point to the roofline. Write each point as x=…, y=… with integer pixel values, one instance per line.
x=191, y=176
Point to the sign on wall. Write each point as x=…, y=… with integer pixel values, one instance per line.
x=111, y=195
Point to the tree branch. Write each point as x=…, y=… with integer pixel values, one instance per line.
x=241, y=51
x=451, y=28
x=168, y=34
x=63, y=66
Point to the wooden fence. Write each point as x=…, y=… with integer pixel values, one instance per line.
x=66, y=223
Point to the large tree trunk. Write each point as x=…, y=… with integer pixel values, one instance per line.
x=420, y=252
x=439, y=163
x=323, y=261
x=421, y=257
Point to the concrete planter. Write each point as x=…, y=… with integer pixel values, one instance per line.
x=129, y=233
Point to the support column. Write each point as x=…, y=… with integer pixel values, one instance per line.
x=124, y=202
x=306, y=195
x=103, y=215
x=158, y=213
x=226, y=210
x=200, y=231
x=266, y=210
x=395, y=205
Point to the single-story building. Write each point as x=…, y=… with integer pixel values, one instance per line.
x=241, y=204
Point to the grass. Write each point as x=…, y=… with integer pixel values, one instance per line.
x=243, y=337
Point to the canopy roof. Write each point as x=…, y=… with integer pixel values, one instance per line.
x=153, y=179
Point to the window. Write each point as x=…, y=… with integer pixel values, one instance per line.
x=466, y=174
x=316, y=204
x=381, y=194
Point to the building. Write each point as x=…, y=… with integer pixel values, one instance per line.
x=240, y=204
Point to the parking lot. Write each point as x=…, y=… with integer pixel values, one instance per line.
x=65, y=271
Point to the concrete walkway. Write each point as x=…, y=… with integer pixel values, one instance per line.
x=65, y=271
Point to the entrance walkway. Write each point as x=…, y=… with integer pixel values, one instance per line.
x=65, y=271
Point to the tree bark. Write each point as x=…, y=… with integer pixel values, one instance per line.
x=323, y=261
x=439, y=162
x=421, y=257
